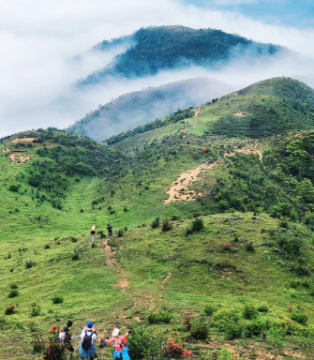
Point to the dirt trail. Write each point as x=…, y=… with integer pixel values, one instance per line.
x=165, y=280
x=179, y=188
x=18, y=158
x=5, y=150
x=123, y=283
x=24, y=140
x=196, y=115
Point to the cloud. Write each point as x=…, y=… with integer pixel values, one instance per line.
x=39, y=39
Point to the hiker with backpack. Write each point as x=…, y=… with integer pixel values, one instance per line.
x=87, y=348
x=93, y=232
x=121, y=350
x=109, y=228
x=65, y=337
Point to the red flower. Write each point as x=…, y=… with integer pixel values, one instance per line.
x=227, y=244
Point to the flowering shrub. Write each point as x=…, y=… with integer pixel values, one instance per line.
x=204, y=149
x=9, y=310
x=187, y=317
x=174, y=350
x=227, y=245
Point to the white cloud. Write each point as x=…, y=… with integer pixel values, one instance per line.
x=39, y=39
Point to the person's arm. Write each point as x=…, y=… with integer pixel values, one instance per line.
x=94, y=336
x=125, y=336
x=109, y=341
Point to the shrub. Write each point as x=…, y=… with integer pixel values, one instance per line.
x=263, y=308
x=57, y=299
x=29, y=264
x=101, y=233
x=199, y=329
x=120, y=233
x=166, y=225
x=47, y=246
x=13, y=286
x=249, y=312
x=254, y=328
x=187, y=318
x=233, y=330
x=35, y=310
x=13, y=293
x=125, y=209
x=155, y=224
x=9, y=310
x=74, y=239
x=174, y=350
x=299, y=316
x=164, y=316
x=175, y=218
x=209, y=309
x=145, y=343
x=54, y=350
x=197, y=225
x=224, y=354
x=75, y=256
x=14, y=188
x=249, y=247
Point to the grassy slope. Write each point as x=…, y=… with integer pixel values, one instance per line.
x=144, y=256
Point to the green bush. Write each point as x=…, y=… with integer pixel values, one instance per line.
x=164, y=316
x=155, y=224
x=9, y=310
x=74, y=239
x=233, y=330
x=249, y=247
x=199, y=328
x=120, y=233
x=197, y=225
x=13, y=293
x=166, y=225
x=254, y=328
x=75, y=256
x=263, y=309
x=14, y=188
x=145, y=343
x=299, y=316
x=47, y=246
x=209, y=309
x=35, y=310
x=29, y=264
x=249, y=312
x=224, y=354
x=57, y=299
x=13, y=286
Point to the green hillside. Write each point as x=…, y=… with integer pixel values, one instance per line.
x=264, y=109
x=173, y=47
x=147, y=105
x=237, y=252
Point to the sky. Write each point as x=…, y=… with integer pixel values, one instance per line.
x=40, y=39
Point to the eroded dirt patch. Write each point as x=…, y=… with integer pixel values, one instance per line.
x=19, y=158
x=239, y=114
x=23, y=140
x=165, y=280
x=5, y=150
x=179, y=188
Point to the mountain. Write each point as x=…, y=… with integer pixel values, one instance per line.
x=213, y=232
x=161, y=48
x=142, y=107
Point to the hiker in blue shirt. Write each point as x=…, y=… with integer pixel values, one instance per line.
x=87, y=348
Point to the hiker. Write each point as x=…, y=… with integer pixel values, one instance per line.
x=93, y=232
x=109, y=228
x=87, y=348
x=65, y=337
x=121, y=350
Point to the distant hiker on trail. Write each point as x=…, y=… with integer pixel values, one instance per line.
x=87, y=348
x=93, y=232
x=65, y=337
x=109, y=228
x=121, y=351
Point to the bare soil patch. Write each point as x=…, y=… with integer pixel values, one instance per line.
x=239, y=114
x=23, y=140
x=165, y=280
x=19, y=158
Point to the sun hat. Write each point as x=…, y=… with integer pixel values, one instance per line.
x=115, y=332
x=90, y=324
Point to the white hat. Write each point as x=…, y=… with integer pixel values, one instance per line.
x=115, y=332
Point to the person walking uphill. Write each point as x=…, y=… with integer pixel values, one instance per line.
x=87, y=348
x=93, y=232
x=65, y=337
x=109, y=228
x=121, y=350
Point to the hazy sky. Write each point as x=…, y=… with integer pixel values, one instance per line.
x=40, y=38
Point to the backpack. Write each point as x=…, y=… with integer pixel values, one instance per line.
x=87, y=340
